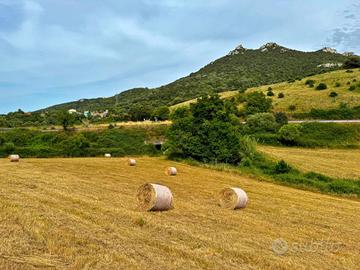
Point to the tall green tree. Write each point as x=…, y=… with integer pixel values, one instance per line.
x=256, y=102
x=205, y=132
x=66, y=119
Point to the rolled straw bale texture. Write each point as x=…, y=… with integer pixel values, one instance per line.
x=14, y=158
x=233, y=198
x=107, y=155
x=172, y=171
x=132, y=162
x=154, y=197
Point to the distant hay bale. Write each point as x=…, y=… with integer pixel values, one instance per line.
x=172, y=171
x=14, y=158
x=233, y=198
x=131, y=162
x=107, y=155
x=154, y=197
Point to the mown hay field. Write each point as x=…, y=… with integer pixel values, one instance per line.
x=81, y=214
x=338, y=163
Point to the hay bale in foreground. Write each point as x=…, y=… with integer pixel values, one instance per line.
x=154, y=197
x=14, y=158
x=171, y=171
x=233, y=198
x=131, y=162
x=107, y=155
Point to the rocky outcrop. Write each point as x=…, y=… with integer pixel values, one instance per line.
x=238, y=50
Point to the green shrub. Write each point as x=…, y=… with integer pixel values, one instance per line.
x=309, y=82
x=289, y=134
x=270, y=93
x=352, y=88
x=9, y=147
x=333, y=94
x=337, y=84
x=321, y=86
x=256, y=102
x=292, y=107
x=281, y=95
x=281, y=118
x=282, y=167
x=260, y=122
x=352, y=62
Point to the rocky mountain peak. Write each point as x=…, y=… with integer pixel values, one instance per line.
x=272, y=46
x=328, y=50
x=238, y=50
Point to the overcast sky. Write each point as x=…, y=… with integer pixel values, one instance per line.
x=53, y=51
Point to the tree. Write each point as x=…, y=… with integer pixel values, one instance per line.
x=162, y=113
x=139, y=113
x=289, y=134
x=352, y=62
x=257, y=102
x=65, y=119
x=281, y=118
x=261, y=122
x=205, y=132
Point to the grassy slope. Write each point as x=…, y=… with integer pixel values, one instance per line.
x=305, y=98
x=337, y=163
x=80, y=213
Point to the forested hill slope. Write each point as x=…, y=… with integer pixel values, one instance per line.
x=240, y=69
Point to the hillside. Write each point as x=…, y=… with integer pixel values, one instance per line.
x=299, y=97
x=81, y=214
x=240, y=69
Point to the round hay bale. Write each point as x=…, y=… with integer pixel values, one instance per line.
x=154, y=197
x=14, y=158
x=171, y=171
x=107, y=155
x=131, y=162
x=233, y=198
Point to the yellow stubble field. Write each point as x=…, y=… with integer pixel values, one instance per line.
x=81, y=214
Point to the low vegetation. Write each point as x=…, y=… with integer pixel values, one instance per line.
x=310, y=134
x=118, y=142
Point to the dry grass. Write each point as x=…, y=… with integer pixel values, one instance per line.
x=81, y=214
x=332, y=162
x=305, y=98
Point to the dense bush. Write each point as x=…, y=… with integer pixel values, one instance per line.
x=352, y=62
x=256, y=102
x=289, y=134
x=321, y=86
x=281, y=95
x=261, y=122
x=206, y=132
x=270, y=94
x=282, y=167
x=118, y=142
x=281, y=118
